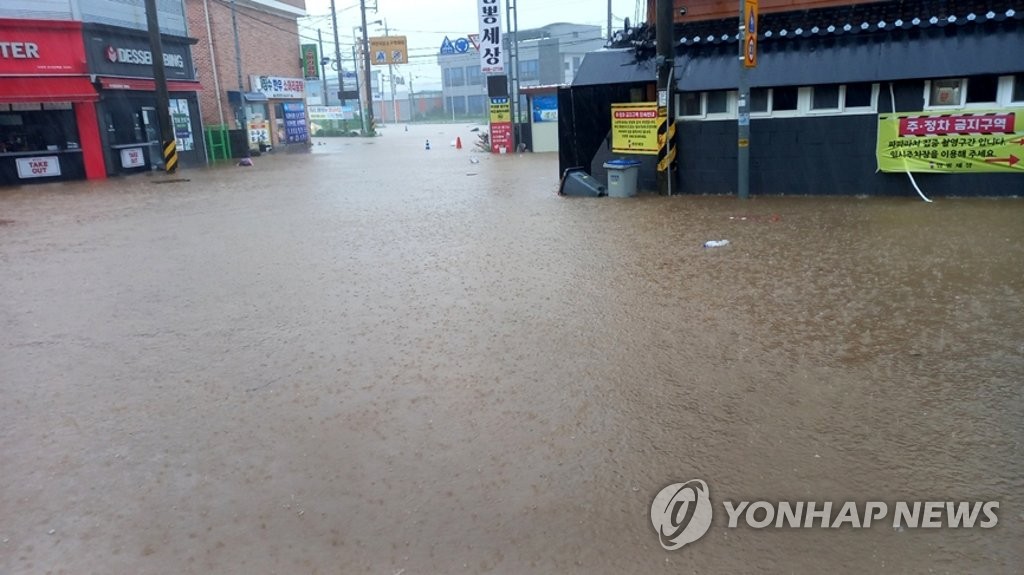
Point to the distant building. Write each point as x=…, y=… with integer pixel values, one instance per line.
x=550, y=55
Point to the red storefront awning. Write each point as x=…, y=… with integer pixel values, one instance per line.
x=47, y=89
x=145, y=85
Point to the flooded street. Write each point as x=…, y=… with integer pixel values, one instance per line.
x=380, y=359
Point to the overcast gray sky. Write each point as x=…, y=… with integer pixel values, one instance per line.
x=427, y=22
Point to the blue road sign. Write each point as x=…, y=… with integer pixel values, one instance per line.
x=462, y=45
x=447, y=47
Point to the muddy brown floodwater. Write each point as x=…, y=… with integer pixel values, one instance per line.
x=379, y=359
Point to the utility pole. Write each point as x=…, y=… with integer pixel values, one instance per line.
x=391, y=75
x=512, y=15
x=337, y=55
x=241, y=119
x=664, y=34
x=412, y=101
x=743, y=112
x=369, y=131
x=359, y=91
x=323, y=66
x=168, y=142
x=609, y=19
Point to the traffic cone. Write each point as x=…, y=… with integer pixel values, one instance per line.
x=458, y=143
x=428, y=145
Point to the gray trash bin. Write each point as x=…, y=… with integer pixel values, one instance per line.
x=622, y=178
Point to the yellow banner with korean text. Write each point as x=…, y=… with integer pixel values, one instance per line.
x=635, y=128
x=952, y=142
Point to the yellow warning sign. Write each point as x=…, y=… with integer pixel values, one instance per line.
x=635, y=128
x=386, y=50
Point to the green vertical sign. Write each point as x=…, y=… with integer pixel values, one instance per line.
x=310, y=62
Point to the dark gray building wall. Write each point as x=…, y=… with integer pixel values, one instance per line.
x=823, y=155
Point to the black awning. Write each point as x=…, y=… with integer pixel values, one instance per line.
x=613, y=67
x=248, y=96
x=806, y=62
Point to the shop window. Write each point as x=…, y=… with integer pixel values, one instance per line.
x=689, y=104
x=717, y=102
x=759, y=100
x=33, y=129
x=946, y=92
x=982, y=89
x=785, y=99
x=1018, y=88
x=825, y=97
x=859, y=95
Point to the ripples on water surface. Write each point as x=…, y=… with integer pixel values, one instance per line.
x=376, y=358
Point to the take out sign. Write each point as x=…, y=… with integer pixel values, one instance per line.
x=39, y=167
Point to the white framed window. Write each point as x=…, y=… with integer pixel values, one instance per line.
x=688, y=105
x=949, y=92
x=861, y=97
x=785, y=101
x=718, y=104
x=1015, y=88
x=971, y=92
x=782, y=102
x=826, y=98
x=760, y=101
x=714, y=105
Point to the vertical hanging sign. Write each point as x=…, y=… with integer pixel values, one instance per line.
x=491, y=60
x=310, y=62
x=750, y=34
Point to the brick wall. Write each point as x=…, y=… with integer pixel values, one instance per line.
x=269, y=46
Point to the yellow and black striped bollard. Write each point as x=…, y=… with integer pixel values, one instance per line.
x=170, y=156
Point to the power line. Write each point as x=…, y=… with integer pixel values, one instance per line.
x=241, y=12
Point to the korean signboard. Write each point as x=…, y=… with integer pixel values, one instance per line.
x=501, y=125
x=635, y=128
x=310, y=61
x=295, y=129
x=279, y=88
x=386, y=50
x=259, y=131
x=491, y=58
x=330, y=113
x=955, y=142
